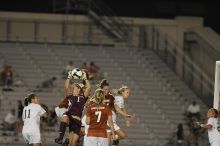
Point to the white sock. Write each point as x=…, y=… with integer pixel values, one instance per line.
x=116, y=136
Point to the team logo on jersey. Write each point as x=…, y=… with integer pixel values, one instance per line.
x=96, y=108
x=106, y=100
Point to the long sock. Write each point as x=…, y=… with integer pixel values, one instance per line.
x=62, y=131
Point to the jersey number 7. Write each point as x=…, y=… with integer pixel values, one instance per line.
x=99, y=114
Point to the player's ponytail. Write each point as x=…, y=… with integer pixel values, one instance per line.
x=26, y=101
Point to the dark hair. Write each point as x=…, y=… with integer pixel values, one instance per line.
x=54, y=78
x=103, y=83
x=26, y=101
x=31, y=96
x=216, y=112
x=180, y=126
x=194, y=102
x=92, y=63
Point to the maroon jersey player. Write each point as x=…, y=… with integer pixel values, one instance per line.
x=110, y=101
x=72, y=117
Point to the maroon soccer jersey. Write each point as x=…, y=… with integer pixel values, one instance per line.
x=76, y=105
x=110, y=100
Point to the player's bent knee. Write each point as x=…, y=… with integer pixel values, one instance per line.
x=73, y=138
x=65, y=119
x=123, y=136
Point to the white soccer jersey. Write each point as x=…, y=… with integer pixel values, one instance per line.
x=119, y=100
x=214, y=132
x=31, y=117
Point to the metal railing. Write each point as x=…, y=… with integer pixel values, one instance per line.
x=168, y=50
x=107, y=15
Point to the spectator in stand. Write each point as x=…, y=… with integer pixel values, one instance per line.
x=47, y=84
x=179, y=135
x=84, y=67
x=20, y=109
x=7, y=78
x=93, y=71
x=68, y=68
x=193, y=110
x=19, y=122
x=93, y=68
x=10, y=120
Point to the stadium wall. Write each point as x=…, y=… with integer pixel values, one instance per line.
x=63, y=28
x=52, y=28
x=57, y=28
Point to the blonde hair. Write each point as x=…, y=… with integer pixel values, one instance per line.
x=120, y=90
x=98, y=97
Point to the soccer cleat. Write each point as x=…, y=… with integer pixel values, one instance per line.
x=66, y=142
x=115, y=142
x=58, y=140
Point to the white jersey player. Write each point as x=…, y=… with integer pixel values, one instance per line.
x=31, y=118
x=122, y=94
x=213, y=127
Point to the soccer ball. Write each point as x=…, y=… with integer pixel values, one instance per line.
x=76, y=73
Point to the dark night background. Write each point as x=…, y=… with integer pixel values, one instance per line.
x=140, y=8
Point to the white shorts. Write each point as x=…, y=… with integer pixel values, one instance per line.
x=96, y=141
x=116, y=127
x=31, y=137
x=215, y=143
x=85, y=140
x=113, y=117
x=60, y=111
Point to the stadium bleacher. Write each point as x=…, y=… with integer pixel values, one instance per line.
x=158, y=97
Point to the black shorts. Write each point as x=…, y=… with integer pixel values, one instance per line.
x=74, y=125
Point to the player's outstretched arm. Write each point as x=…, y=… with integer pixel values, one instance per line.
x=45, y=107
x=87, y=85
x=67, y=84
x=120, y=111
x=206, y=126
